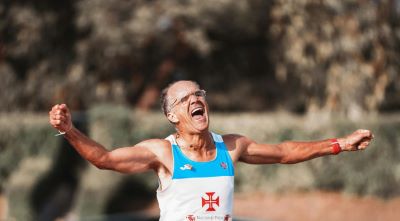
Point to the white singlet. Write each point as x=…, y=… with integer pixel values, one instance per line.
x=199, y=190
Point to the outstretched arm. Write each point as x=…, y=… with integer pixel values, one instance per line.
x=298, y=151
x=138, y=158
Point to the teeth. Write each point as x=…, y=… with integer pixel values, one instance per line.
x=196, y=109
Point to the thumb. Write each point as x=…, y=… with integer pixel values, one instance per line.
x=63, y=107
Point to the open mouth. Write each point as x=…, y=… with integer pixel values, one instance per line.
x=197, y=112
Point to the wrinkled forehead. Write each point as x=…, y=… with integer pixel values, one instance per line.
x=181, y=89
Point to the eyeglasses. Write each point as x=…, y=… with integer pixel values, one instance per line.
x=183, y=100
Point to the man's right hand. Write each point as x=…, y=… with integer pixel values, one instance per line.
x=60, y=118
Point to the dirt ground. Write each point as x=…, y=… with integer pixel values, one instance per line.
x=312, y=206
x=316, y=206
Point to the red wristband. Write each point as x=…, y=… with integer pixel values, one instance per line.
x=335, y=146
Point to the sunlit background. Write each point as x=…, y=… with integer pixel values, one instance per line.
x=273, y=70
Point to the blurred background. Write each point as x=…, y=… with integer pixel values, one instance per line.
x=273, y=70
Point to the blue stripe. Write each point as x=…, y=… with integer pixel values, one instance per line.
x=221, y=166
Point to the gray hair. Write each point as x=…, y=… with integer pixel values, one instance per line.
x=164, y=101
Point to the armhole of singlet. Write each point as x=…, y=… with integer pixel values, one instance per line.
x=172, y=141
x=161, y=188
x=219, y=139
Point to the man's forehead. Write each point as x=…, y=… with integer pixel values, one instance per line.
x=182, y=88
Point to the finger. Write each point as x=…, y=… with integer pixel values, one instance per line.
x=366, y=133
x=51, y=121
x=55, y=123
x=60, y=117
x=64, y=108
x=55, y=107
x=362, y=147
x=361, y=131
x=58, y=107
x=59, y=124
x=361, y=142
x=60, y=112
x=371, y=136
x=53, y=114
x=364, y=144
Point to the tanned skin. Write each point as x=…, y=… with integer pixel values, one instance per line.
x=195, y=140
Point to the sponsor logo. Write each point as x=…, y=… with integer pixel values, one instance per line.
x=186, y=167
x=208, y=218
x=190, y=218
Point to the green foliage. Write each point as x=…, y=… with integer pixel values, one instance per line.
x=295, y=55
x=373, y=171
x=21, y=139
x=115, y=121
x=120, y=126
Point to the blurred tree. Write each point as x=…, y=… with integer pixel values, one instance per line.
x=252, y=55
x=131, y=196
x=53, y=195
x=344, y=54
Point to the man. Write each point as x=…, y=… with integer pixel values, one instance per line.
x=196, y=167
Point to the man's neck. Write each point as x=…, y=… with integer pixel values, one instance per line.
x=195, y=142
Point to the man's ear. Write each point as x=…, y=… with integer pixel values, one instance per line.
x=172, y=118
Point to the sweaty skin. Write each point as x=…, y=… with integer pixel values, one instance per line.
x=194, y=138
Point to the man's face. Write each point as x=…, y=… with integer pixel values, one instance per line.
x=189, y=107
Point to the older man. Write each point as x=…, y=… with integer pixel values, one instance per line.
x=195, y=166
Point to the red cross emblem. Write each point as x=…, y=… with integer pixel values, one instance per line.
x=210, y=201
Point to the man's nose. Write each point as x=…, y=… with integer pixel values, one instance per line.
x=193, y=99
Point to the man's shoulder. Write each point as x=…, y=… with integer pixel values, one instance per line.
x=155, y=143
x=228, y=138
x=161, y=149
x=235, y=144
x=236, y=141
x=233, y=141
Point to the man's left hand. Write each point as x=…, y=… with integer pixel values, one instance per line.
x=358, y=140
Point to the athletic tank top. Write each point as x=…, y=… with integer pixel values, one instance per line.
x=198, y=190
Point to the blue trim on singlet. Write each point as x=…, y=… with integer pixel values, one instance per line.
x=221, y=165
